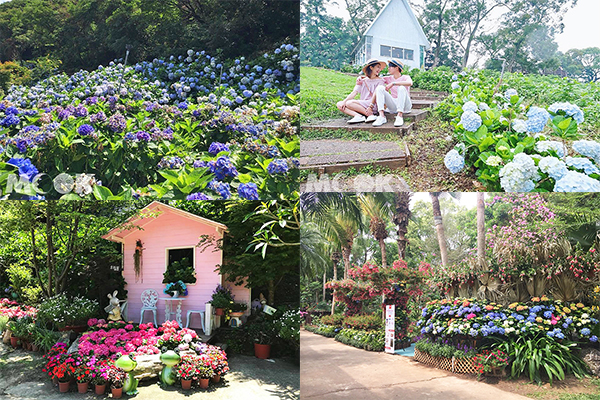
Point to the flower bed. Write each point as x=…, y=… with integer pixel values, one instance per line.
x=190, y=127
x=372, y=340
x=13, y=310
x=478, y=319
x=453, y=364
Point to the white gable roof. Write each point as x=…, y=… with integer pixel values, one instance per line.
x=400, y=4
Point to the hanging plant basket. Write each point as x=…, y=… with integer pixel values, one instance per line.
x=137, y=259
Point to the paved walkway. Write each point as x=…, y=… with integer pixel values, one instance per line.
x=21, y=378
x=331, y=370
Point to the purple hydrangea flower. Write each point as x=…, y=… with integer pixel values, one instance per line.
x=223, y=168
x=117, y=123
x=216, y=147
x=278, y=166
x=26, y=168
x=85, y=130
x=9, y=120
x=197, y=196
x=248, y=191
x=142, y=136
x=220, y=187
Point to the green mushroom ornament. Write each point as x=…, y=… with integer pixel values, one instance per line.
x=170, y=359
x=128, y=365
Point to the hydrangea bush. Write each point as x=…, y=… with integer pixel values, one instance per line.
x=509, y=145
x=187, y=127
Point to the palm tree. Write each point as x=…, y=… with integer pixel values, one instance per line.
x=377, y=210
x=400, y=218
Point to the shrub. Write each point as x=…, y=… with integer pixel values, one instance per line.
x=324, y=330
x=540, y=355
x=438, y=79
x=45, y=339
x=12, y=73
x=61, y=311
x=3, y=322
x=364, y=322
x=42, y=67
x=180, y=271
x=334, y=320
x=367, y=340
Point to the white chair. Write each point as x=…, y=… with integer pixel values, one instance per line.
x=189, y=314
x=149, y=300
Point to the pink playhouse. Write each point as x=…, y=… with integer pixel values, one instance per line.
x=167, y=235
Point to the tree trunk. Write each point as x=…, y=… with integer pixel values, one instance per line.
x=50, y=255
x=324, y=280
x=401, y=218
x=439, y=226
x=480, y=231
x=383, y=252
x=271, y=292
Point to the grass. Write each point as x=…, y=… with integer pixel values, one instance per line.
x=321, y=90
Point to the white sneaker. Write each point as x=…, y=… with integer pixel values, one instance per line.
x=357, y=119
x=380, y=120
x=399, y=121
x=371, y=118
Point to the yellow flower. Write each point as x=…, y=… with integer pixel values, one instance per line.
x=535, y=299
x=539, y=319
x=597, y=289
x=513, y=305
x=580, y=305
x=544, y=298
x=567, y=310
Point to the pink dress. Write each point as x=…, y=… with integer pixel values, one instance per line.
x=394, y=90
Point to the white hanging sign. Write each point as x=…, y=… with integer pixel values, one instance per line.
x=390, y=328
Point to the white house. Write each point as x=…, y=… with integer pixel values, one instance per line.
x=394, y=33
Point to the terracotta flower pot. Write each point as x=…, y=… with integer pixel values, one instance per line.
x=216, y=378
x=14, y=342
x=236, y=314
x=63, y=387
x=262, y=351
x=117, y=393
x=219, y=311
x=186, y=384
x=204, y=383
x=54, y=380
x=100, y=389
x=83, y=387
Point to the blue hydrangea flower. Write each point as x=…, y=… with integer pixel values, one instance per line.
x=519, y=125
x=220, y=187
x=455, y=85
x=582, y=163
x=223, y=168
x=552, y=166
x=470, y=106
x=85, y=130
x=588, y=148
x=454, y=161
x=142, y=136
x=216, y=147
x=546, y=145
x=509, y=93
x=483, y=107
x=585, y=331
x=278, y=166
x=569, y=109
x=538, y=118
x=519, y=174
x=574, y=181
x=248, y=191
x=470, y=121
x=197, y=196
x=593, y=338
x=26, y=168
x=171, y=163
x=10, y=120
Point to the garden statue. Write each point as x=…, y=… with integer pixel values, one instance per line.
x=128, y=365
x=113, y=309
x=170, y=359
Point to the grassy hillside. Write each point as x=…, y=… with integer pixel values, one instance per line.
x=320, y=90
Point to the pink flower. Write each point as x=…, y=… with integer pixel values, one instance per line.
x=469, y=316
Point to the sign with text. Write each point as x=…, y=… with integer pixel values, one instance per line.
x=390, y=328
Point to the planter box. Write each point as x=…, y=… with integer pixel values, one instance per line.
x=454, y=365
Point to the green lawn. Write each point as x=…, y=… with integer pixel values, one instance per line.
x=320, y=90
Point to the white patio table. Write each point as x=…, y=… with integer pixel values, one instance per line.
x=169, y=308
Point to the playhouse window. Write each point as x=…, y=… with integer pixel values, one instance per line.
x=397, y=52
x=408, y=54
x=180, y=265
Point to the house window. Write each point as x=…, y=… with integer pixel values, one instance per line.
x=385, y=51
x=180, y=265
x=396, y=52
x=368, y=43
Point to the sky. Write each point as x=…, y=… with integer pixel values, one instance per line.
x=582, y=29
x=467, y=200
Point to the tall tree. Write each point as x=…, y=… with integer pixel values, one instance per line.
x=376, y=210
x=435, y=17
x=439, y=226
x=480, y=230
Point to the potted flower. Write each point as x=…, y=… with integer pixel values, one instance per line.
x=116, y=377
x=490, y=362
x=221, y=299
x=64, y=371
x=205, y=370
x=83, y=376
x=175, y=289
x=187, y=371
x=100, y=377
x=237, y=309
x=219, y=363
x=263, y=333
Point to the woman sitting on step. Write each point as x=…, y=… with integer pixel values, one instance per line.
x=394, y=96
x=362, y=110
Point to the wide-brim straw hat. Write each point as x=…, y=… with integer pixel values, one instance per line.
x=396, y=63
x=373, y=61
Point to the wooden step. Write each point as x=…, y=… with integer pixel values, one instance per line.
x=329, y=156
x=418, y=104
x=409, y=124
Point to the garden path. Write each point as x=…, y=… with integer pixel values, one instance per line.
x=21, y=378
x=331, y=370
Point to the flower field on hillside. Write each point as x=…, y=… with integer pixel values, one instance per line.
x=187, y=127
